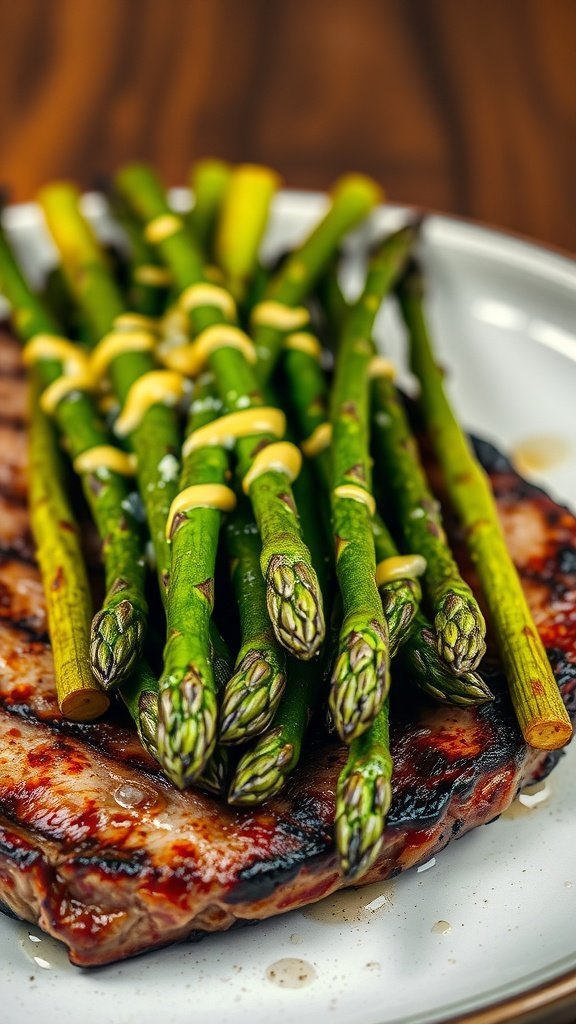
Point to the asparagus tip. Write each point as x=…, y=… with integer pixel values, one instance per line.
x=186, y=732
x=433, y=676
x=250, y=698
x=295, y=606
x=460, y=632
x=360, y=680
x=261, y=771
x=363, y=797
x=115, y=642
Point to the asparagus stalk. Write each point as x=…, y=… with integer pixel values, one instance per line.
x=265, y=767
x=458, y=621
x=254, y=691
x=188, y=710
x=156, y=441
x=61, y=563
x=209, y=181
x=241, y=224
x=360, y=678
x=401, y=598
x=293, y=598
x=118, y=627
x=541, y=714
x=353, y=197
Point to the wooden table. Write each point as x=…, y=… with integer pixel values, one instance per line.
x=461, y=105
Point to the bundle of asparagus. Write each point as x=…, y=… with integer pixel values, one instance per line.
x=282, y=455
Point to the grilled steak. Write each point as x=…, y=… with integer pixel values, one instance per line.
x=101, y=852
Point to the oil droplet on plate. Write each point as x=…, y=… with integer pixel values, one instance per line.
x=44, y=951
x=291, y=972
x=568, y=885
x=537, y=454
x=441, y=928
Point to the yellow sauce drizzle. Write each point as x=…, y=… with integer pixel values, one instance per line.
x=302, y=341
x=205, y=294
x=356, y=493
x=61, y=388
x=105, y=456
x=158, y=387
x=227, y=429
x=191, y=359
x=118, y=343
x=280, y=457
x=216, y=496
x=150, y=274
x=379, y=366
x=135, y=322
x=280, y=316
x=319, y=440
x=399, y=567
x=52, y=346
x=162, y=227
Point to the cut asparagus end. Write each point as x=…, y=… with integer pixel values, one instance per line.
x=460, y=632
x=295, y=606
x=116, y=638
x=363, y=797
x=186, y=734
x=360, y=680
x=262, y=771
x=250, y=698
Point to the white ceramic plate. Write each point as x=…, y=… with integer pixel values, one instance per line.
x=493, y=918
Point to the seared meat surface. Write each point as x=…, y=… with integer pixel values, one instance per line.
x=100, y=851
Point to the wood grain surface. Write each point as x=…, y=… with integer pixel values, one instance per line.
x=467, y=106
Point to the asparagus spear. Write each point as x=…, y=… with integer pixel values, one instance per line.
x=363, y=796
x=117, y=629
x=353, y=197
x=61, y=563
x=360, y=678
x=209, y=181
x=264, y=768
x=241, y=224
x=140, y=695
x=188, y=710
x=156, y=440
x=400, y=598
x=254, y=691
x=458, y=621
x=537, y=702
x=293, y=598
x=433, y=676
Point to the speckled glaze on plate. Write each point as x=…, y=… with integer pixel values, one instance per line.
x=486, y=933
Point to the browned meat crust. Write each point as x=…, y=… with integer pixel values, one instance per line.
x=103, y=854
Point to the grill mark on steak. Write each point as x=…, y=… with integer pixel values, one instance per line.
x=112, y=881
